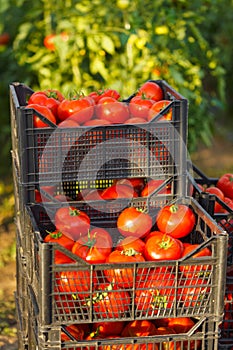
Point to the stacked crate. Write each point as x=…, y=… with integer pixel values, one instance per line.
x=69, y=160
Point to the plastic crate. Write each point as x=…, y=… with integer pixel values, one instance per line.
x=57, y=154
x=203, y=336
x=226, y=339
x=45, y=275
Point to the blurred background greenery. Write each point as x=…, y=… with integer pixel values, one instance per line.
x=120, y=44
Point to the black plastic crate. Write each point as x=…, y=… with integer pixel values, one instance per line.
x=53, y=302
x=57, y=154
x=226, y=340
x=203, y=336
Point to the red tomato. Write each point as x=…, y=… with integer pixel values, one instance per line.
x=77, y=331
x=4, y=39
x=217, y=192
x=79, y=109
x=64, y=303
x=109, y=302
x=139, y=106
x=156, y=233
x=139, y=328
x=68, y=123
x=134, y=222
x=136, y=183
x=61, y=239
x=40, y=197
x=45, y=112
x=155, y=294
x=112, y=110
x=179, y=324
x=225, y=184
x=194, y=292
x=49, y=40
x=178, y=220
x=124, y=277
x=72, y=222
x=89, y=195
x=151, y=90
x=97, y=122
x=229, y=203
x=195, y=270
x=157, y=108
x=153, y=185
x=131, y=243
x=118, y=191
x=135, y=120
x=169, y=345
x=49, y=98
x=97, y=95
x=108, y=328
x=162, y=246
x=95, y=247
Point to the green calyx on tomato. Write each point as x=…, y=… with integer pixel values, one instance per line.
x=174, y=208
x=166, y=242
x=74, y=212
x=159, y=301
x=100, y=295
x=130, y=252
x=55, y=235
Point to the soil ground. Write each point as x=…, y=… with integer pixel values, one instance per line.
x=213, y=161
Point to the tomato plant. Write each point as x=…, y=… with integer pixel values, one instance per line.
x=157, y=107
x=94, y=247
x=162, y=246
x=151, y=90
x=72, y=222
x=108, y=108
x=45, y=112
x=225, y=184
x=50, y=40
x=178, y=220
x=134, y=222
x=78, y=108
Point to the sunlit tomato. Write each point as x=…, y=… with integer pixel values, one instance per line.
x=79, y=109
x=45, y=112
x=108, y=108
x=157, y=108
x=152, y=185
x=49, y=98
x=108, y=328
x=151, y=90
x=124, y=277
x=131, y=243
x=118, y=191
x=94, y=247
x=134, y=222
x=49, y=40
x=218, y=193
x=155, y=294
x=77, y=331
x=169, y=345
x=139, y=328
x=109, y=302
x=178, y=324
x=73, y=222
x=61, y=239
x=194, y=292
x=225, y=184
x=136, y=183
x=135, y=120
x=139, y=106
x=97, y=95
x=178, y=220
x=195, y=270
x=162, y=246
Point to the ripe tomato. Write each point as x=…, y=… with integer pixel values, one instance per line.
x=108, y=328
x=169, y=345
x=4, y=39
x=136, y=183
x=108, y=108
x=94, y=247
x=195, y=270
x=151, y=90
x=178, y=220
x=139, y=106
x=162, y=246
x=109, y=302
x=40, y=197
x=73, y=222
x=49, y=98
x=155, y=294
x=89, y=195
x=118, y=191
x=59, y=238
x=218, y=193
x=79, y=109
x=97, y=122
x=97, y=95
x=194, y=292
x=225, y=184
x=45, y=112
x=131, y=243
x=157, y=107
x=178, y=324
x=49, y=40
x=139, y=328
x=152, y=185
x=68, y=123
x=135, y=120
x=64, y=303
x=134, y=222
x=77, y=331
x=124, y=277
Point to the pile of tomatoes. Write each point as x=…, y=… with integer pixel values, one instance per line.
x=138, y=328
x=102, y=107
